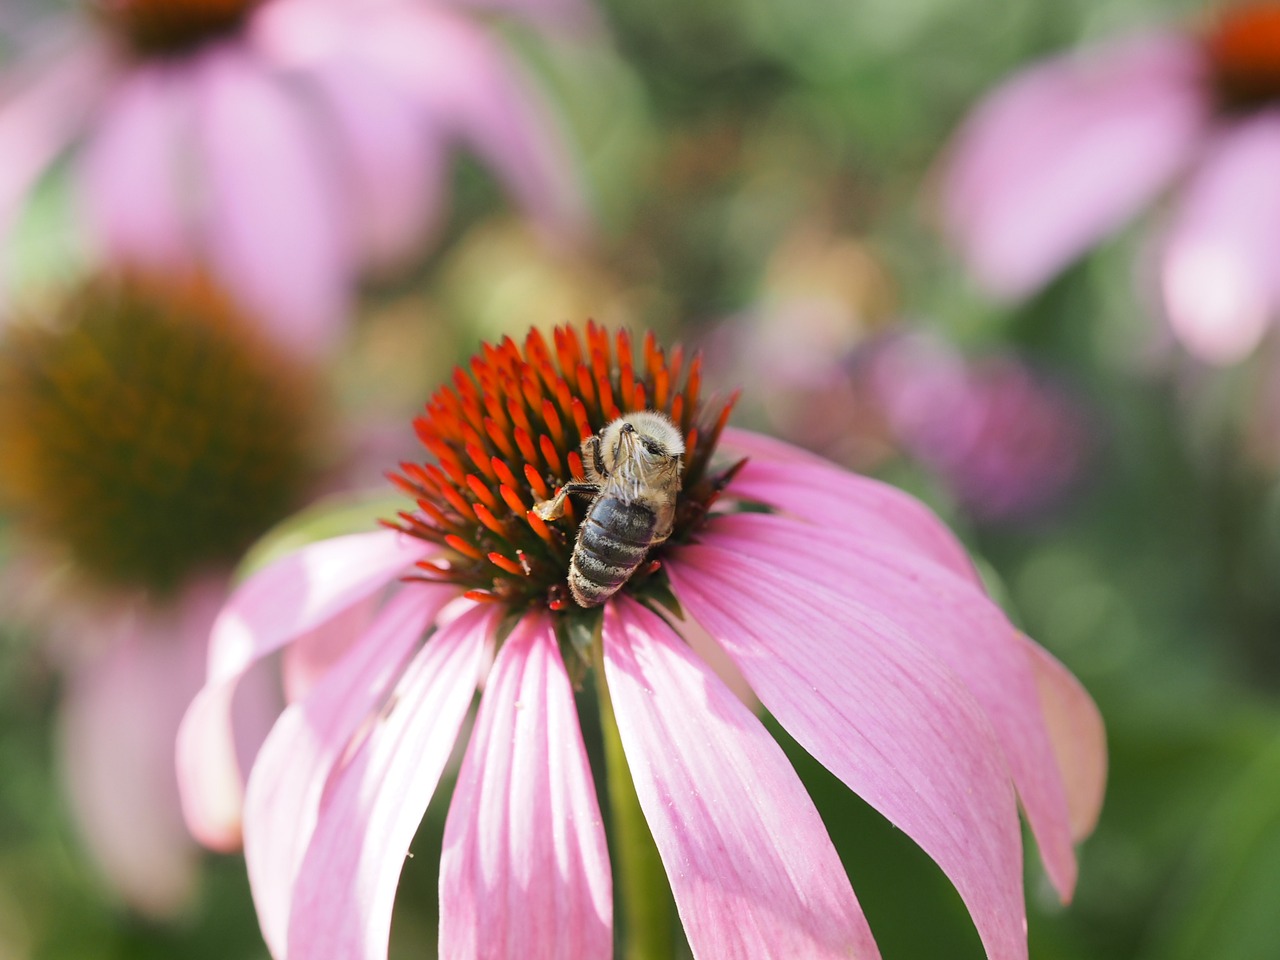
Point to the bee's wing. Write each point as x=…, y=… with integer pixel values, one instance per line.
x=626, y=482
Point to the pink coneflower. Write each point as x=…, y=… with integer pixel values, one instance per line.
x=853, y=614
x=286, y=143
x=1007, y=441
x=148, y=435
x=1066, y=151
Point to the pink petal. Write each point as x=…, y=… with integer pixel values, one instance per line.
x=525, y=869
x=953, y=620
x=43, y=104
x=881, y=713
x=347, y=884
x=118, y=721
x=1079, y=738
x=282, y=801
x=752, y=869
x=1066, y=152
x=273, y=216
x=759, y=446
x=307, y=659
x=395, y=163
x=472, y=89
x=1220, y=268
x=292, y=597
x=826, y=494
x=132, y=169
x=712, y=654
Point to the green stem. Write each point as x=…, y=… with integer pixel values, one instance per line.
x=643, y=895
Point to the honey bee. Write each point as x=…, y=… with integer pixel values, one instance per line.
x=633, y=473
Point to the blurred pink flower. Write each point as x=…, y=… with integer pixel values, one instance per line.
x=148, y=434
x=284, y=143
x=1068, y=150
x=850, y=610
x=130, y=666
x=1008, y=443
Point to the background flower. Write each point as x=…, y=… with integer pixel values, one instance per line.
x=285, y=144
x=148, y=435
x=1065, y=152
x=1006, y=441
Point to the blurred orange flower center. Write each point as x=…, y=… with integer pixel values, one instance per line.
x=146, y=432
x=1244, y=54
x=166, y=27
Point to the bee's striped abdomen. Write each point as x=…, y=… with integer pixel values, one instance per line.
x=612, y=541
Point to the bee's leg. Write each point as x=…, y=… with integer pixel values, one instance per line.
x=666, y=523
x=554, y=508
x=592, y=460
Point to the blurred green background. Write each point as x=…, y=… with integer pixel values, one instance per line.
x=731, y=149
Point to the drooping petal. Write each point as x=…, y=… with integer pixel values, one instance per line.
x=306, y=660
x=953, y=620
x=1079, y=737
x=282, y=799
x=753, y=871
x=293, y=596
x=395, y=161
x=525, y=868
x=1066, y=152
x=1220, y=267
x=817, y=490
x=118, y=720
x=273, y=218
x=132, y=169
x=882, y=713
x=347, y=883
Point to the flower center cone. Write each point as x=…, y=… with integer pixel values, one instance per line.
x=147, y=432
x=506, y=435
x=1243, y=49
x=169, y=27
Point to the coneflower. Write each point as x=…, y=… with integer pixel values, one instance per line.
x=854, y=615
x=148, y=435
x=285, y=145
x=1066, y=151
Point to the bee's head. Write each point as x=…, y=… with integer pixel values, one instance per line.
x=646, y=435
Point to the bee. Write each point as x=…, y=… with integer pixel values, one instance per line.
x=633, y=473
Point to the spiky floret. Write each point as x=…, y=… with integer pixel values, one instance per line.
x=172, y=27
x=506, y=434
x=147, y=432
x=1243, y=49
